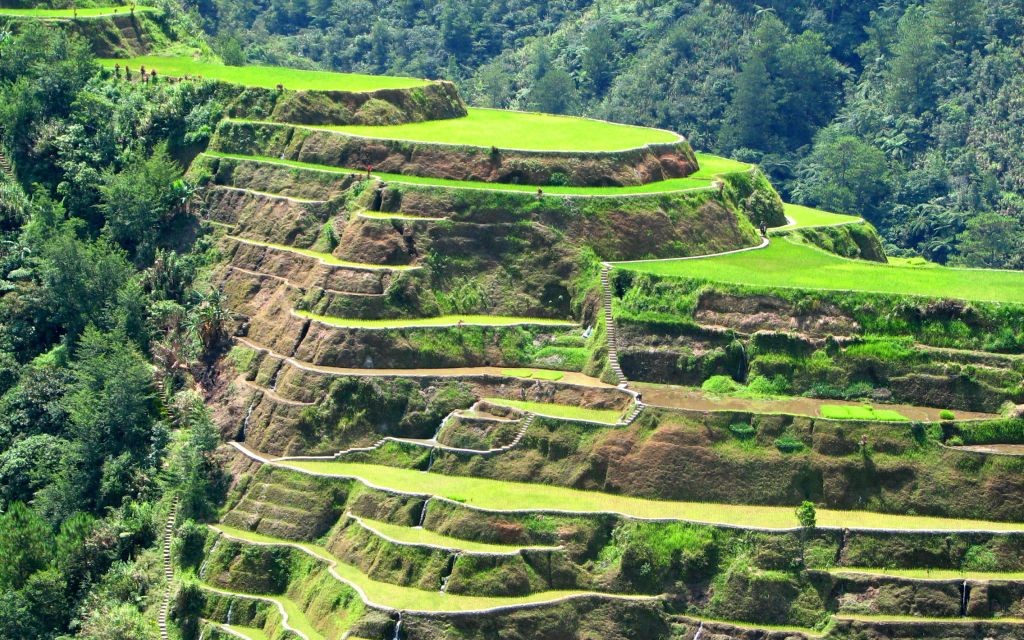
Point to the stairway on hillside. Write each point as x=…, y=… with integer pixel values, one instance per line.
x=5, y=165
x=609, y=325
x=168, y=570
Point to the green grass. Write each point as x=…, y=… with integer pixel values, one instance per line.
x=788, y=264
x=500, y=495
x=419, y=535
x=383, y=215
x=326, y=258
x=804, y=217
x=405, y=598
x=881, y=617
x=519, y=130
x=863, y=412
x=569, y=412
x=932, y=574
x=438, y=321
x=535, y=374
x=673, y=185
x=711, y=166
x=249, y=632
x=266, y=77
x=90, y=12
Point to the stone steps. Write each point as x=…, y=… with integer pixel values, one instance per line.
x=5, y=166
x=168, y=533
x=609, y=324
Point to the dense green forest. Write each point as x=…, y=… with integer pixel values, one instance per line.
x=100, y=280
x=907, y=112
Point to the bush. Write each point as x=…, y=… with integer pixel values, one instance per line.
x=720, y=384
x=955, y=441
x=789, y=444
x=742, y=431
x=946, y=414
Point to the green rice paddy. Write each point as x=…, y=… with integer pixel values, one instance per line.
x=851, y=412
x=391, y=595
x=568, y=412
x=803, y=217
x=932, y=574
x=419, y=535
x=673, y=185
x=499, y=495
x=247, y=632
x=266, y=77
x=437, y=321
x=519, y=130
x=296, y=616
x=326, y=258
x=789, y=264
x=89, y=12
x=534, y=374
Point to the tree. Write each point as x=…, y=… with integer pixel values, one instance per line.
x=138, y=201
x=807, y=516
x=992, y=241
x=598, y=58
x=843, y=174
x=751, y=110
x=26, y=545
x=910, y=77
x=555, y=92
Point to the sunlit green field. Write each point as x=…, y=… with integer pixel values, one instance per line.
x=252, y=633
x=788, y=264
x=803, y=217
x=569, y=412
x=296, y=617
x=266, y=77
x=437, y=321
x=500, y=495
x=932, y=574
x=519, y=130
x=90, y=12
x=664, y=186
x=535, y=374
x=850, y=412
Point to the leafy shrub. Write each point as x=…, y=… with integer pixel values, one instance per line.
x=762, y=386
x=789, y=444
x=742, y=430
x=720, y=384
x=946, y=414
x=980, y=558
x=955, y=441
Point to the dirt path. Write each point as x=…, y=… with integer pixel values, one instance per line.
x=994, y=449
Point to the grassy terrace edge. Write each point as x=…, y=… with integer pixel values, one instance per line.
x=84, y=12
x=435, y=322
x=506, y=496
x=385, y=595
x=265, y=77
x=789, y=264
x=695, y=182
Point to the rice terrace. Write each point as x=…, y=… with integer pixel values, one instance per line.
x=294, y=353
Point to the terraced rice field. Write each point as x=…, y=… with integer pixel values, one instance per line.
x=852, y=412
x=700, y=180
x=252, y=633
x=519, y=130
x=931, y=574
x=266, y=77
x=802, y=217
x=534, y=374
x=498, y=495
x=419, y=535
x=789, y=264
x=326, y=258
x=89, y=12
x=569, y=412
x=437, y=321
x=296, y=617
x=395, y=596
